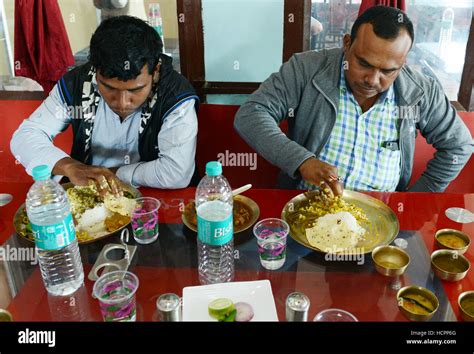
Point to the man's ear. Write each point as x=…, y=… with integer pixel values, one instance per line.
x=156, y=72
x=346, y=42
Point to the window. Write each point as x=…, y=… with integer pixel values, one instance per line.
x=330, y=20
x=441, y=35
x=441, y=27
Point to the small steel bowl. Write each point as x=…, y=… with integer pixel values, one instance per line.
x=423, y=292
x=5, y=316
x=449, y=257
x=390, y=260
x=463, y=297
x=458, y=234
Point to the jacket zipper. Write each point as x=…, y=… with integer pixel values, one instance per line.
x=328, y=134
x=402, y=145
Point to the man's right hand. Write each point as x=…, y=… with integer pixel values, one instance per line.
x=322, y=175
x=81, y=175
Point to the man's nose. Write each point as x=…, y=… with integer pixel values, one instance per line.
x=372, y=78
x=123, y=100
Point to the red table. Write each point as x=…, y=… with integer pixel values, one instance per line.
x=169, y=264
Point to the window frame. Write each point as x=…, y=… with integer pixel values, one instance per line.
x=465, y=93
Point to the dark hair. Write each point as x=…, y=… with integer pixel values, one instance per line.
x=386, y=22
x=122, y=45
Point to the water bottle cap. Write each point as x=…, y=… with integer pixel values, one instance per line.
x=213, y=168
x=41, y=173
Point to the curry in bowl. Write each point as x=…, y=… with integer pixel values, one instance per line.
x=453, y=240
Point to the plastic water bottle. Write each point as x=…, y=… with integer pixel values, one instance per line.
x=214, y=206
x=50, y=216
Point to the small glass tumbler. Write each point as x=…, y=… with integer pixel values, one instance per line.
x=335, y=315
x=145, y=220
x=116, y=294
x=271, y=237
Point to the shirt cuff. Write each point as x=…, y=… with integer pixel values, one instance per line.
x=125, y=173
x=49, y=158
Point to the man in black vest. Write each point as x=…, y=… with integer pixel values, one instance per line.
x=133, y=116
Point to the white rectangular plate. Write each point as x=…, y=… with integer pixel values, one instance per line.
x=256, y=293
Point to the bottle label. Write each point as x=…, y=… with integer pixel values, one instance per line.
x=215, y=233
x=56, y=236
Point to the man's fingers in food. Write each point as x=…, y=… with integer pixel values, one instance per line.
x=102, y=184
x=326, y=188
x=339, y=187
x=115, y=186
x=113, y=181
x=336, y=187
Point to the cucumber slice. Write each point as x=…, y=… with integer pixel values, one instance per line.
x=230, y=317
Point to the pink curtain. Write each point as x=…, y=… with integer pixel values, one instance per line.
x=399, y=4
x=42, y=50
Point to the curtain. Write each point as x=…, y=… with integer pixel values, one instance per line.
x=42, y=50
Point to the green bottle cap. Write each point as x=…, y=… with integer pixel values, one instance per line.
x=213, y=168
x=41, y=173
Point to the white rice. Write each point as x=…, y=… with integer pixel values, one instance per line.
x=92, y=220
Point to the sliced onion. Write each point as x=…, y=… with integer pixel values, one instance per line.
x=244, y=312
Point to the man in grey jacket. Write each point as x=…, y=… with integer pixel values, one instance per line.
x=353, y=114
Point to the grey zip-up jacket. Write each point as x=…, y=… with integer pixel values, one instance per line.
x=305, y=91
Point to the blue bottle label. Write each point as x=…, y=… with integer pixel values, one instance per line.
x=56, y=236
x=215, y=233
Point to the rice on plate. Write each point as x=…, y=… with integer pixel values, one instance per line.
x=339, y=231
x=95, y=216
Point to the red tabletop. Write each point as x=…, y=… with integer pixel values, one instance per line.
x=169, y=268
